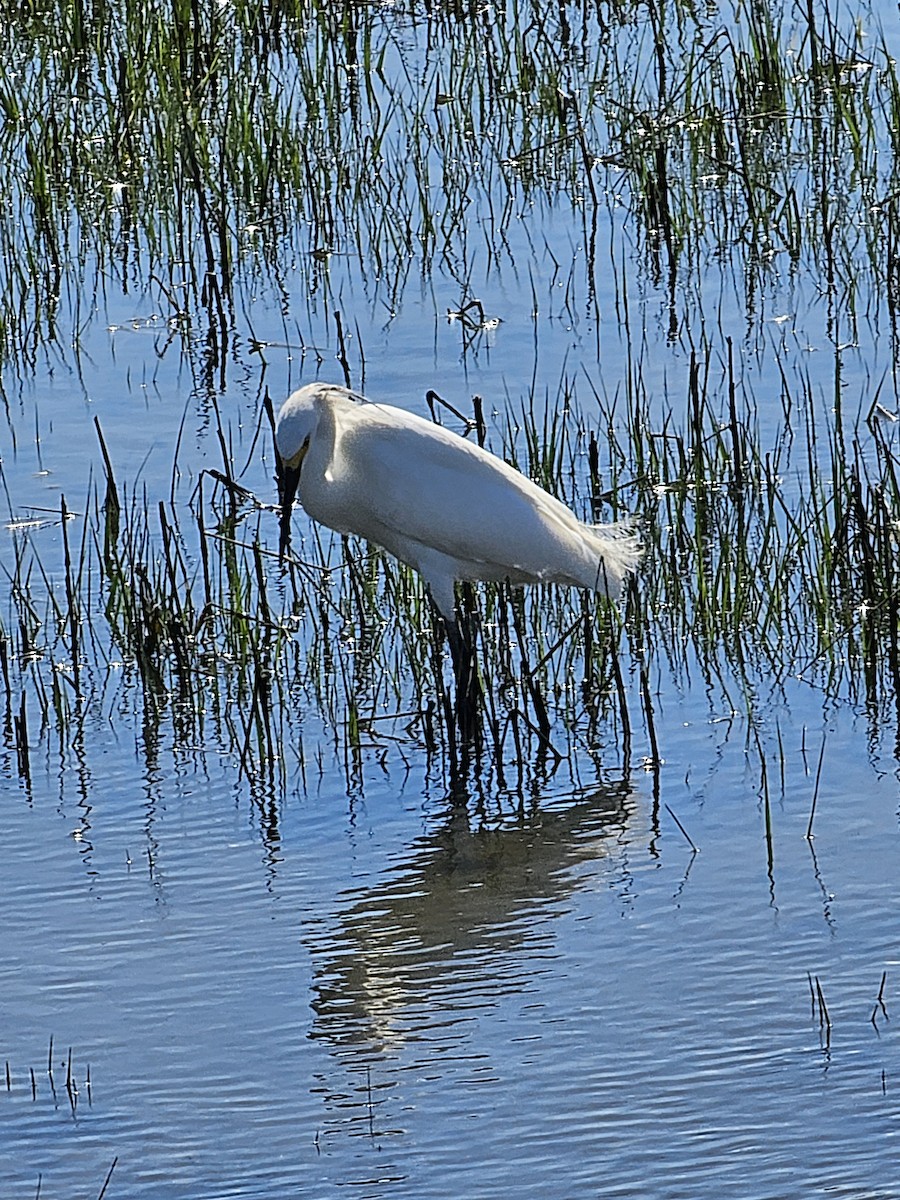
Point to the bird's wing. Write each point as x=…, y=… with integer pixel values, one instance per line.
x=402, y=480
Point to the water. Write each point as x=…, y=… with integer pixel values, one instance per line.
x=344, y=982
x=556, y=1002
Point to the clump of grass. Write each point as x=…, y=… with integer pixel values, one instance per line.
x=222, y=641
x=753, y=572
x=203, y=154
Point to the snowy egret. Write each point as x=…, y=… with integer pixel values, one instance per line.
x=444, y=506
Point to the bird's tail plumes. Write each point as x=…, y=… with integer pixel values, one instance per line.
x=620, y=548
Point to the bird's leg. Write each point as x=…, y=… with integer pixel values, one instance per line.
x=460, y=653
x=469, y=696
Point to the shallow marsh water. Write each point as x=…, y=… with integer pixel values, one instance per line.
x=555, y=1002
x=360, y=973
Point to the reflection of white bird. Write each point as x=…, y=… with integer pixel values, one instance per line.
x=435, y=501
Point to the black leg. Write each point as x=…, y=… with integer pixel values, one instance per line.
x=469, y=696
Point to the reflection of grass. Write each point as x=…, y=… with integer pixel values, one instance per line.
x=199, y=149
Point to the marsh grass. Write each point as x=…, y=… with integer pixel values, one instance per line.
x=200, y=151
x=750, y=577
x=198, y=156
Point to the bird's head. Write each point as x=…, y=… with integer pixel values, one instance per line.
x=294, y=428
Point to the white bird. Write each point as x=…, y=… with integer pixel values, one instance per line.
x=441, y=504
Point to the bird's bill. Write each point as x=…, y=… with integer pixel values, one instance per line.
x=287, y=473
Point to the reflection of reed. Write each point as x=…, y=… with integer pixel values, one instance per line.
x=434, y=938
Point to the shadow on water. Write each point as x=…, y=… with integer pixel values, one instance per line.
x=446, y=930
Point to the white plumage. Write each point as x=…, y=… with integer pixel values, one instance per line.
x=432, y=499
